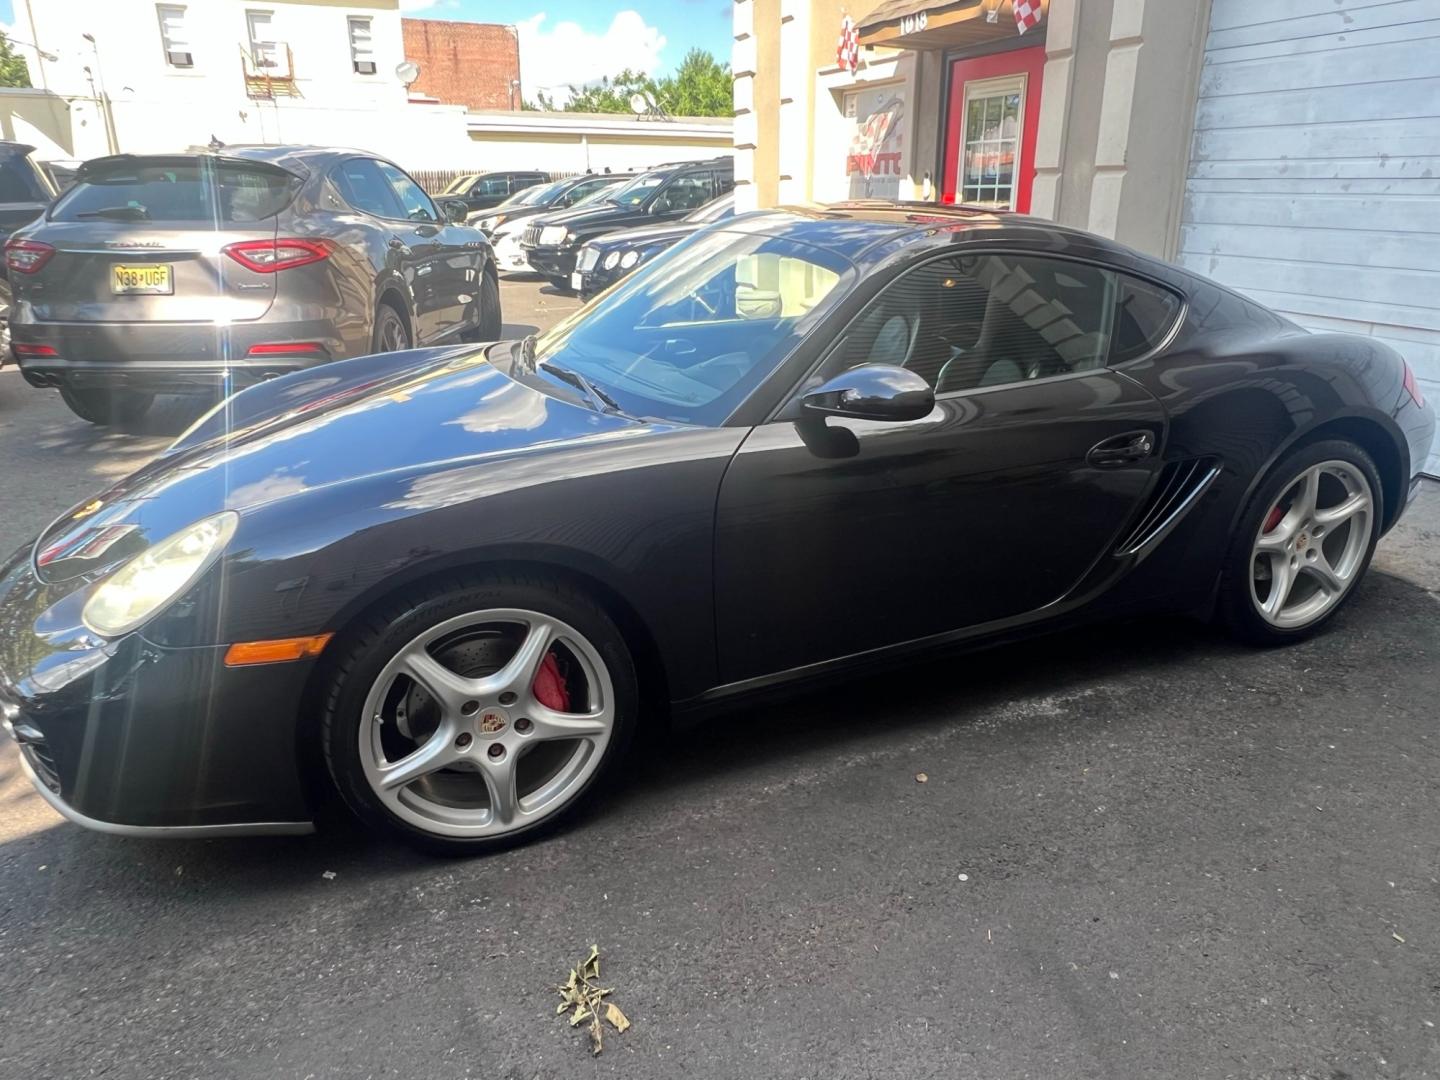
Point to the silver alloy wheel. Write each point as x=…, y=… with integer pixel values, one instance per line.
x=465, y=772
x=1311, y=544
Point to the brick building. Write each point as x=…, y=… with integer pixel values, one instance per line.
x=472, y=64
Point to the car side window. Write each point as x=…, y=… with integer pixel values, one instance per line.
x=1144, y=314
x=687, y=193
x=415, y=205
x=973, y=321
x=725, y=183
x=495, y=185
x=362, y=185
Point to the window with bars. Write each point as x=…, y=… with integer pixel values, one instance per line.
x=174, y=38
x=362, y=46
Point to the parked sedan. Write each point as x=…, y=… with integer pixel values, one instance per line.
x=189, y=272
x=605, y=260
x=806, y=445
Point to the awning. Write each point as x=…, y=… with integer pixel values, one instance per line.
x=935, y=24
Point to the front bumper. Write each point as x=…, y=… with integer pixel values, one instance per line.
x=552, y=262
x=598, y=279
x=135, y=739
x=509, y=255
x=167, y=357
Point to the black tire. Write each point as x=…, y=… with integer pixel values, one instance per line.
x=392, y=332
x=117, y=408
x=360, y=655
x=1237, y=605
x=489, y=325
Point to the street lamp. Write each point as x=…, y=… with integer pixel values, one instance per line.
x=110, y=138
x=48, y=57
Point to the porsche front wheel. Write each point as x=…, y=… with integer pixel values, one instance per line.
x=1303, y=544
x=482, y=714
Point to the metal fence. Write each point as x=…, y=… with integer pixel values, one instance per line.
x=435, y=181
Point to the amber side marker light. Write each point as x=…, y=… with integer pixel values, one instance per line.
x=245, y=653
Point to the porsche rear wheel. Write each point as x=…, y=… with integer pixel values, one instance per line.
x=481, y=714
x=1303, y=544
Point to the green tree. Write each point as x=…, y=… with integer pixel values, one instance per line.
x=13, y=69
x=701, y=86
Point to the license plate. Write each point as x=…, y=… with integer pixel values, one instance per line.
x=577, y=281
x=147, y=278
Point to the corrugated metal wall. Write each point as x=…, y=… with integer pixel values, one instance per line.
x=1314, y=181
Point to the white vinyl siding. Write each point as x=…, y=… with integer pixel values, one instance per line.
x=1314, y=180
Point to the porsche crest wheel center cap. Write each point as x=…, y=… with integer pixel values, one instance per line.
x=492, y=721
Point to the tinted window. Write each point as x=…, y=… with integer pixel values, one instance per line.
x=1144, y=314
x=180, y=190
x=414, y=203
x=586, y=188
x=639, y=190
x=363, y=186
x=689, y=335
x=715, y=210
x=987, y=320
x=725, y=181
x=686, y=193
x=491, y=185
x=18, y=182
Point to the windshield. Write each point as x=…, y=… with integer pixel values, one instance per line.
x=690, y=335
x=539, y=193
x=604, y=191
x=461, y=181
x=639, y=190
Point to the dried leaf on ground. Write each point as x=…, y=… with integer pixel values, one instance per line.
x=582, y=993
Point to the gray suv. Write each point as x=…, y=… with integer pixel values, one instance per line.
x=205, y=271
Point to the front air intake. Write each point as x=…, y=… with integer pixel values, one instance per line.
x=1181, y=484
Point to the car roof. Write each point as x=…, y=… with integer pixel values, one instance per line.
x=869, y=230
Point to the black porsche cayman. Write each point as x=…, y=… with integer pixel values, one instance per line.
x=801, y=443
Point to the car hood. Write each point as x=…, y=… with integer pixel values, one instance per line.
x=601, y=217
x=420, y=410
x=650, y=234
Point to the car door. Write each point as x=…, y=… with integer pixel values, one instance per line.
x=856, y=535
x=441, y=270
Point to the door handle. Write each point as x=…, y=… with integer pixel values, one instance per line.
x=1120, y=450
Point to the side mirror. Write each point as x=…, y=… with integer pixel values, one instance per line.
x=455, y=210
x=872, y=392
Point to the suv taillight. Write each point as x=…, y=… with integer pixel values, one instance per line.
x=271, y=256
x=27, y=256
x=1411, y=386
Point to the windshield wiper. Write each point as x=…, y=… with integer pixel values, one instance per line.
x=117, y=213
x=598, y=398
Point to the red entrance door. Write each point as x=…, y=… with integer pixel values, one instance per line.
x=991, y=122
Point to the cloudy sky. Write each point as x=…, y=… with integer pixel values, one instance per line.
x=578, y=41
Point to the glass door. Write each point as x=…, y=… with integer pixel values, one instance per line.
x=992, y=118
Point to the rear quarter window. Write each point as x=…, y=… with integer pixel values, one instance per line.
x=1144, y=314
x=195, y=191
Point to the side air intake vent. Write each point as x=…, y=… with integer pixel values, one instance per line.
x=1181, y=484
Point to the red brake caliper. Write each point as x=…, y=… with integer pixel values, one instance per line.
x=550, y=689
x=1276, y=514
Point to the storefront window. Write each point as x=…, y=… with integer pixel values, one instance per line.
x=994, y=109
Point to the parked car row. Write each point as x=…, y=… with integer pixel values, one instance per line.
x=551, y=242
x=205, y=271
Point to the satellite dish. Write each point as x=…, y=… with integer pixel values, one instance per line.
x=407, y=71
x=639, y=104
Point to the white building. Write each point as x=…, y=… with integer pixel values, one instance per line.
x=143, y=77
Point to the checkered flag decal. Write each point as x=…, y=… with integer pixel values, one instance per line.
x=1027, y=14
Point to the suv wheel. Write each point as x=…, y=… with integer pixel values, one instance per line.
x=488, y=325
x=120, y=408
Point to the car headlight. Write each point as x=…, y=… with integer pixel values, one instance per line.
x=157, y=576
x=630, y=259
x=553, y=235
x=611, y=260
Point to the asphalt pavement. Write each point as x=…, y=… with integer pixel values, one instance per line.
x=1141, y=851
